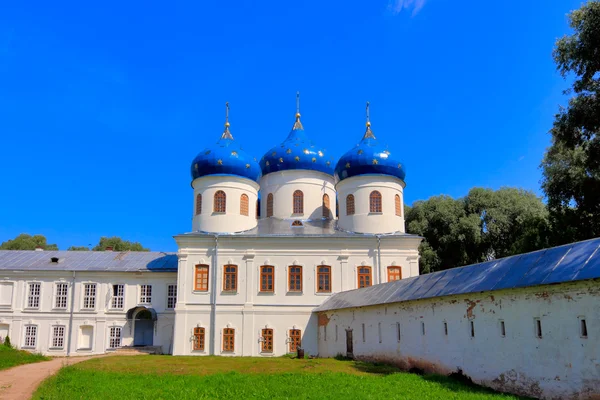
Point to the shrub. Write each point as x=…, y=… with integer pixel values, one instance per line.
x=7, y=342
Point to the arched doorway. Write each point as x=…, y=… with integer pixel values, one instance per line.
x=143, y=328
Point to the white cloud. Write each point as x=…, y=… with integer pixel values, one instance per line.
x=397, y=6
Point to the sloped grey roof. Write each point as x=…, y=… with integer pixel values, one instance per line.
x=127, y=261
x=270, y=227
x=572, y=262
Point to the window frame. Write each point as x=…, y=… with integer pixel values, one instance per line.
x=391, y=274
x=375, y=202
x=9, y=305
x=269, y=205
x=398, y=205
x=57, y=342
x=220, y=202
x=295, y=339
x=201, y=269
x=298, y=202
x=244, y=205
x=266, y=274
x=171, y=296
x=145, y=294
x=363, y=275
x=233, y=275
x=114, y=299
x=113, y=338
x=61, y=296
x=198, y=338
x=326, y=206
x=324, y=274
x=266, y=345
x=28, y=337
x=199, y=204
x=33, y=299
x=350, y=205
x=228, y=340
x=89, y=300
x=295, y=275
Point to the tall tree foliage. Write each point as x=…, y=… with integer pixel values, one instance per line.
x=118, y=244
x=27, y=242
x=571, y=165
x=484, y=224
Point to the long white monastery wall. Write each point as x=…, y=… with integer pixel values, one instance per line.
x=530, y=341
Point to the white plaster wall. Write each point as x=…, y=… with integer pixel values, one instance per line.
x=363, y=220
x=283, y=184
x=101, y=318
x=560, y=364
x=231, y=220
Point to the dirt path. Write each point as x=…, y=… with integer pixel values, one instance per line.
x=19, y=383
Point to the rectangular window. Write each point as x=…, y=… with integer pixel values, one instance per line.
x=118, y=297
x=267, y=273
x=399, y=336
x=33, y=298
x=502, y=329
x=230, y=278
x=58, y=337
x=363, y=333
x=324, y=279
x=538, y=328
x=364, y=277
x=114, y=337
x=295, y=278
x=423, y=328
x=228, y=339
x=336, y=333
x=6, y=294
x=267, y=341
x=472, y=324
x=394, y=274
x=198, y=344
x=201, y=278
x=60, y=299
x=171, y=296
x=145, y=294
x=295, y=339
x=583, y=328
x=325, y=333
x=379, y=332
x=89, y=296
x=446, y=328
x=30, y=336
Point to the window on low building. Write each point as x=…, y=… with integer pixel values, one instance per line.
x=114, y=338
x=298, y=202
x=171, y=296
x=201, y=278
x=198, y=342
x=89, y=296
x=270, y=205
x=146, y=294
x=220, y=202
x=118, y=296
x=86, y=335
x=33, y=298
x=230, y=278
x=267, y=275
x=394, y=273
x=324, y=279
x=364, y=277
x=58, y=336
x=244, y=205
x=295, y=340
x=198, y=204
x=30, y=336
x=228, y=339
x=350, y=204
x=375, y=205
x=326, y=207
x=267, y=340
x=295, y=278
x=60, y=295
x=398, y=205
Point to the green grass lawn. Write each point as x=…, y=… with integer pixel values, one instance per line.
x=167, y=377
x=11, y=357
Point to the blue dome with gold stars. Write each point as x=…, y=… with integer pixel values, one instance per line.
x=369, y=157
x=297, y=151
x=226, y=157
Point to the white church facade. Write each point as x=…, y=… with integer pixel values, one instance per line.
x=246, y=279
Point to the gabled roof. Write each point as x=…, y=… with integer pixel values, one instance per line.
x=572, y=262
x=127, y=261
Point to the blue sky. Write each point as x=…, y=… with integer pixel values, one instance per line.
x=103, y=106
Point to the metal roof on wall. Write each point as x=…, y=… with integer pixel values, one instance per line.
x=127, y=261
x=572, y=262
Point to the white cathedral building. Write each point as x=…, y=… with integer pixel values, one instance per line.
x=246, y=280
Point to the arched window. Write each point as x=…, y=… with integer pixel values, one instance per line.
x=350, y=204
x=375, y=202
x=244, y=205
x=398, y=206
x=364, y=277
x=326, y=209
x=394, y=273
x=220, y=204
x=270, y=205
x=198, y=204
x=298, y=202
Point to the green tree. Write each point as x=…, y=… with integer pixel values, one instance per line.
x=118, y=244
x=571, y=165
x=78, y=248
x=27, y=242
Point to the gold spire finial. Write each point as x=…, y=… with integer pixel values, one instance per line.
x=368, y=133
x=226, y=134
x=297, y=124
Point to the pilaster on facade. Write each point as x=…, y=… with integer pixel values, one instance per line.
x=343, y=266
